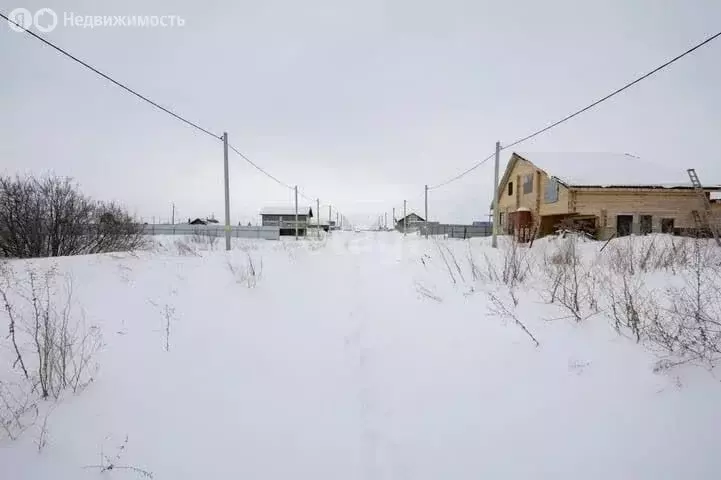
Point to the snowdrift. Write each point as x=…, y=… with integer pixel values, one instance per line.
x=358, y=356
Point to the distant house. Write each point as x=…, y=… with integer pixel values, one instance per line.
x=412, y=221
x=604, y=194
x=285, y=218
x=212, y=220
x=197, y=221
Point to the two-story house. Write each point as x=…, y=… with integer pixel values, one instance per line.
x=285, y=218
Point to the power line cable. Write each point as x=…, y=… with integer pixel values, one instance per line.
x=615, y=92
x=112, y=80
x=148, y=100
x=582, y=110
x=259, y=168
x=462, y=174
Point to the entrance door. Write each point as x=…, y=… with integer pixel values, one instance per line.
x=623, y=225
x=646, y=224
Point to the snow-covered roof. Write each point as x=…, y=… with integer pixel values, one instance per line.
x=609, y=170
x=284, y=210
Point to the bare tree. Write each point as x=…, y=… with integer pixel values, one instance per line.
x=50, y=217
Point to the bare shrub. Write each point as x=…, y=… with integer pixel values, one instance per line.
x=42, y=440
x=648, y=254
x=62, y=346
x=448, y=259
x=185, y=249
x=205, y=238
x=50, y=217
x=248, y=273
x=5, y=285
x=630, y=304
x=499, y=307
x=690, y=328
x=515, y=266
x=568, y=279
x=108, y=464
x=18, y=408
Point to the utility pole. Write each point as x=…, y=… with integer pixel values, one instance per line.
x=394, y=218
x=296, y=212
x=385, y=220
x=172, y=221
x=337, y=219
x=227, y=191
x=329, y=217
x=317, y=214
x=405, y=215
x=496, y=213
x=425, y=223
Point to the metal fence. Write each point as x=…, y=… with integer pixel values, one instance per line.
x=459, y=231
x=267, y=233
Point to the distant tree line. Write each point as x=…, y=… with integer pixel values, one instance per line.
x=51, y=217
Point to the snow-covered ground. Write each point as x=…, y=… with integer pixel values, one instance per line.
x=362, y=356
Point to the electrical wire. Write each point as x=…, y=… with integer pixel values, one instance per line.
x=259, y=168
x=615, y=92
x=582, y=110
x=462, y=174
x=151, y=102
x=112, y=80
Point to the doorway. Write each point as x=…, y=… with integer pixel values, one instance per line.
x=623, y=225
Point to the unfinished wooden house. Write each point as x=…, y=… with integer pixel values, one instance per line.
x=604, y=194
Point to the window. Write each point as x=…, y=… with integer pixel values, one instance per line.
x=510, y=188
x=528, y=183
x=646, y=224
x=501, y=218
x=550, y=195
x=667, y=225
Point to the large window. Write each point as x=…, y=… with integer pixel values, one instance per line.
x=550, y=195
x=528, y=183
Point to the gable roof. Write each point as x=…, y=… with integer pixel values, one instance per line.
x=409, y=215
x=622, y=170
x=286, y=210
x=607, y=170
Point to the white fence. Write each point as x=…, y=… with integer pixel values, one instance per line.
x=267, y=233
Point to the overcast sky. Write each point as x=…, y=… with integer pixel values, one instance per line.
x=359, y=103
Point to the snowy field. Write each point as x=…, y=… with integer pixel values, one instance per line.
x=361, y=356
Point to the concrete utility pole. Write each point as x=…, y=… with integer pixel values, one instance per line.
x=405, y=220
x=172, y=218
x=425, y=223
x=296, y=212
x=227, y=191
x=385, y=220
x=317, y=214
x=330, y=215
x=394, y=218
x=496, y=213
x=337, y=219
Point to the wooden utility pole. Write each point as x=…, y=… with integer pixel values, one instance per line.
x=425, y=220
x=296, y=212
x=405, y=216
x=227, y=190
x=496, y=213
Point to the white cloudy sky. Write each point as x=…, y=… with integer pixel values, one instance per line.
x=359, y=103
